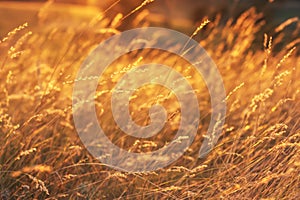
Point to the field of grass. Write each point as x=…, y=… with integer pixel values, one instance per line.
x=257, y=155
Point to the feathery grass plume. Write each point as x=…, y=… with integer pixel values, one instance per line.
x=24, y=153
x=234, y=90
x=39, y=184
x=15, y=50
x=201, y=26
x=286, y=23
x=14, y=32
x=286, y=56
x=268, y=49
x=144, y=3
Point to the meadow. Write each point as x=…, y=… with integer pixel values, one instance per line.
x=257, y=155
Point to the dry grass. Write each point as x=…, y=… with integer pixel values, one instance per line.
x=257, y=156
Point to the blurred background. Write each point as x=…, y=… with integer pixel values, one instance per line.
x=178, y=14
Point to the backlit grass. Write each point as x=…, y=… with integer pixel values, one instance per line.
x=257, y=155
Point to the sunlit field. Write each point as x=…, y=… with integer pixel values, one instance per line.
x=42, y=157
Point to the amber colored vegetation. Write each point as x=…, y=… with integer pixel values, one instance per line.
x=256, y=157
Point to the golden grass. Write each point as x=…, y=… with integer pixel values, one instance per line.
x=257, y=156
